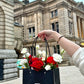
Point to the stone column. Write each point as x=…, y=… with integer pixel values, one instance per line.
x=25, y=27
x=63, y=25
x=83, y=28
x=36, y=24
x=79, y=27
x=22, y=20
x=40, y=22
x=63, y=21
x=75, y=24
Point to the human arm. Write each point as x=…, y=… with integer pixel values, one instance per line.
x=66, y=44
x=74, y=50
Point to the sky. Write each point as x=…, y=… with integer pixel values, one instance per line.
x=75, y=0
x=79, y=1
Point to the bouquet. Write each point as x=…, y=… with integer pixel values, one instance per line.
x=40, y=61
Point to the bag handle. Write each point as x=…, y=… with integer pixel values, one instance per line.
x=46, y=44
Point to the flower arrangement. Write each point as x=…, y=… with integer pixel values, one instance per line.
x=40, y=61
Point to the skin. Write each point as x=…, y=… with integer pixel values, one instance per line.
x=66, y=44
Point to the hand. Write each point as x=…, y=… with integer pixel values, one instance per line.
x=48, y=34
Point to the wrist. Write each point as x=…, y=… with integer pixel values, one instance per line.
x=56, y=35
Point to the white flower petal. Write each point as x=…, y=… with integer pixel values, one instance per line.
x=37, y=46
x=27, y=54
x=39, y=52
x=23, y=61
x=44, y=53
x=57, y=58
x=23, y=56
x=43, y=58
x=24, y=50
x=47, y=67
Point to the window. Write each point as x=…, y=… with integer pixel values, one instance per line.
x=31, y=32
x=33, y=50
x=70, y=27
x=53, y=26
x=52, y=14
x=69, y=13
x=58, y=49
x=56, y=12
x=54, y=47
x=57, y=27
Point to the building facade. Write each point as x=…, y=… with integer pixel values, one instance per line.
x=6, y=24
x=63, y=16
x=8, y=56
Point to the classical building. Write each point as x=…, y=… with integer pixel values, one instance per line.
x=63, y=16
x=8, y=57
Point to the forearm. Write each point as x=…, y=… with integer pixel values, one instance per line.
x=66, y=44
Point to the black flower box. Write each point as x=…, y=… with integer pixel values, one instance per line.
x=41, y=77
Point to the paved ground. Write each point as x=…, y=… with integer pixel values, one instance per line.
x=68, y=75
x=71, y=75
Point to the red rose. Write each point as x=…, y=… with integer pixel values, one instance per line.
x=57, y=65
x=30, y=56
x=50, y=60
x=35, y=59
x=30, y=59
x=37, y=65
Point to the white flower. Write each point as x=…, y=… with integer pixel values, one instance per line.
x=24, y=50
x=23, y=56
x=26, y=55
x=43, y=58
x=39, y=52
x=23, y=61
x=57, y=58
x=43, y=53
x=47, y=67
x=37, y=46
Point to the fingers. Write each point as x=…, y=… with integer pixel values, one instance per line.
x=44, y=32
x=42, y=37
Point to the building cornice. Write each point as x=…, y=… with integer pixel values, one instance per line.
x=39, y=2
x=40, y=5
x=9, y=2
x=62, y=4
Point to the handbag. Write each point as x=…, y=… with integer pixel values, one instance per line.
x=41, y=77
